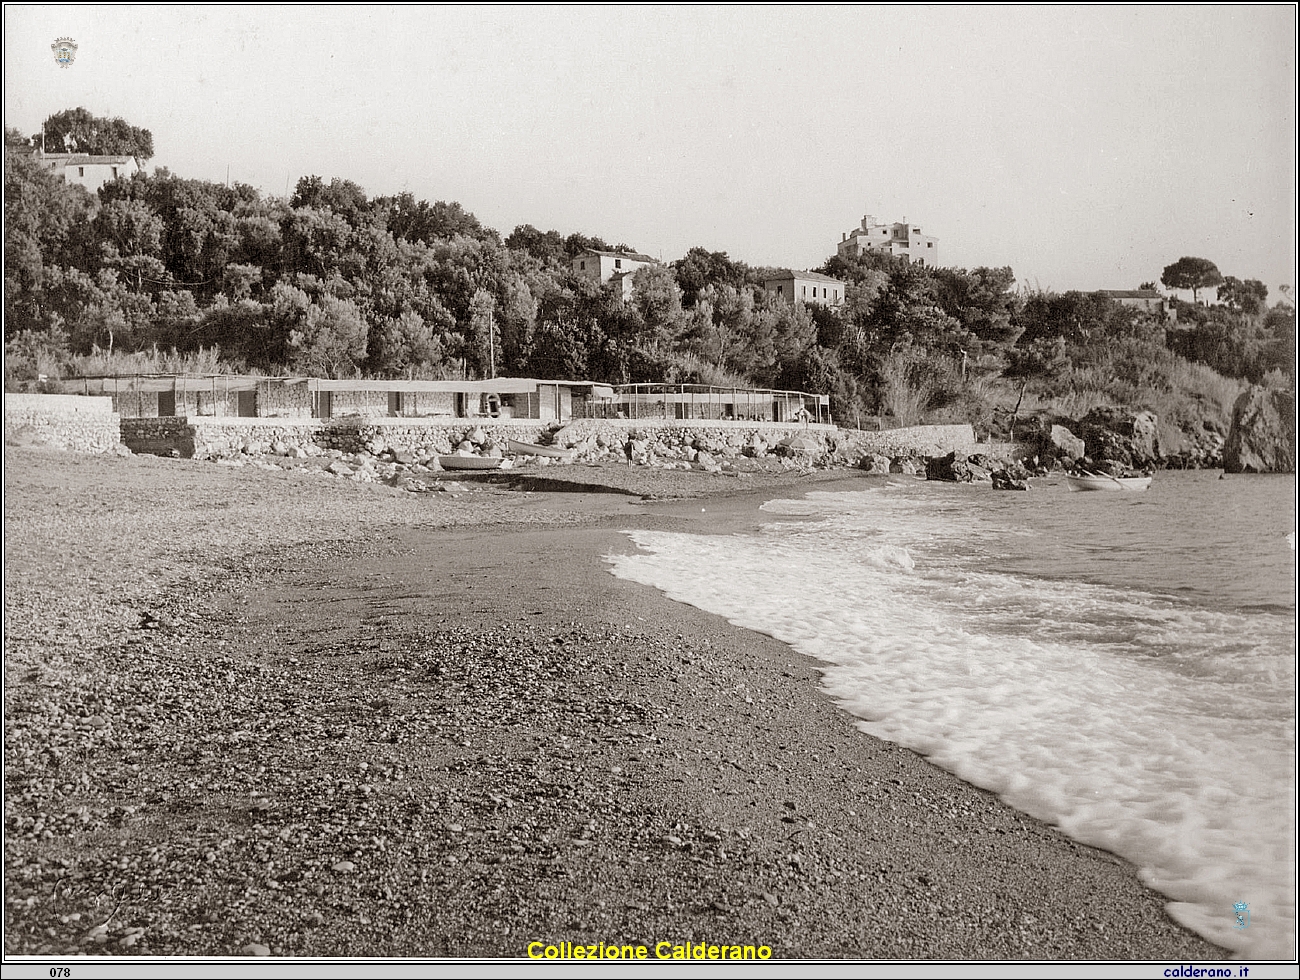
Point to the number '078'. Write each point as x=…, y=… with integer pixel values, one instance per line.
x=60, y=971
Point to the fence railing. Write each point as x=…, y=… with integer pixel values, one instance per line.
x=709, y=402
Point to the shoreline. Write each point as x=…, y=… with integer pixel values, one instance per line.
x=449, y=730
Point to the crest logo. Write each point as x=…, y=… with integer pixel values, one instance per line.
x=1242, y=911
x=65, y=51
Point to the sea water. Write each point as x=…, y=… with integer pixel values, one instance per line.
x=1120, y=665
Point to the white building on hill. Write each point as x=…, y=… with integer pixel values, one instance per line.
x=896, y=238
x=90, y=171
x=805, y=287
x=603, y=266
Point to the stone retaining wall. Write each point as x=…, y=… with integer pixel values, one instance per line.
x=82, y=423
x=917, y=440
x=159, y=436
x=208, y=437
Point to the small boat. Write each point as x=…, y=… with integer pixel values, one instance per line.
x=469, y=462
x=1095, y=481
x=528, y=449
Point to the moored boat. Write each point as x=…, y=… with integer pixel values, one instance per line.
x=528, y=449
x=469, y=462
x=1094, y=481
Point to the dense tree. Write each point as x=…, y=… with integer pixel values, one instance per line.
x=547, y=247
x=405, y=345
x=699, y=268
x=658, y=299
x=982, y=301
x=483, y=332
x=1191, y=273
x=578, y=242
x=47, y=225
x=78, y=131
x=1249, y=296
x=329, y=339
x=419, y=221
x=1077, y=317
x=1234, y=342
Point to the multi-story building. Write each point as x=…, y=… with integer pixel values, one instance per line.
x=90, y=171
x=602, y=266
x=897, y=238
x=805, y=287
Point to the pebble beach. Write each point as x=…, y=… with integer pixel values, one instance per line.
x=254, y=712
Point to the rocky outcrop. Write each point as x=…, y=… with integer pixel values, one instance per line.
x=1004, y=480
x=1046, y=441
x=1066, y=444
x=1197, y=447
x=875, y=463
x=1263, y=434
x=1120, y=436
x=952, y=468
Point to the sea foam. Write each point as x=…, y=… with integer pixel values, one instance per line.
x=1150, y=727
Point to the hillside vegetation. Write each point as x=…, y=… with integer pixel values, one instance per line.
x=161, y=274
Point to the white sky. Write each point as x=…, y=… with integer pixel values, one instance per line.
x=1087, y=148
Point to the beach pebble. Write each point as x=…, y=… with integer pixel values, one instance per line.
x=256, y=949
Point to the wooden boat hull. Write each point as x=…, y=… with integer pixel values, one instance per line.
x=528, y=449
x=1116, y=483
x=469, y=462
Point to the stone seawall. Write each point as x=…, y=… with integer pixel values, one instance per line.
x=205, y=437
x=81, y=423
x=917, y=440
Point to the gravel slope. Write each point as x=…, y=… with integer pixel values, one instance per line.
x=252, y=712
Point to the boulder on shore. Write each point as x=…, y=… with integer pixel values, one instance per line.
x=1066, y=443
x=1004, y=480
x=1263, y=433
x=875, y=463
x=951, y=468
x=1128, y=438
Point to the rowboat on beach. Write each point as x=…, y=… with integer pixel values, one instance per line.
x=1092, y=481
x=528, y=449
x=455, y=462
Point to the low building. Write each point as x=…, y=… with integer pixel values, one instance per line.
x=805, y=287
x=897, y=238
x=712, y=403
x=1147, y=300
x=253, y=396
x=90, y=171
x=601, y=266
x=256, y=396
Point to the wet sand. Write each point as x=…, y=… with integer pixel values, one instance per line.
x=265, y=713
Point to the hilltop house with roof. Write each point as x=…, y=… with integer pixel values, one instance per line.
x=89, y=170
x=1146, y=300
x=601, y=266
x=805, y=287
x=897, y=238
